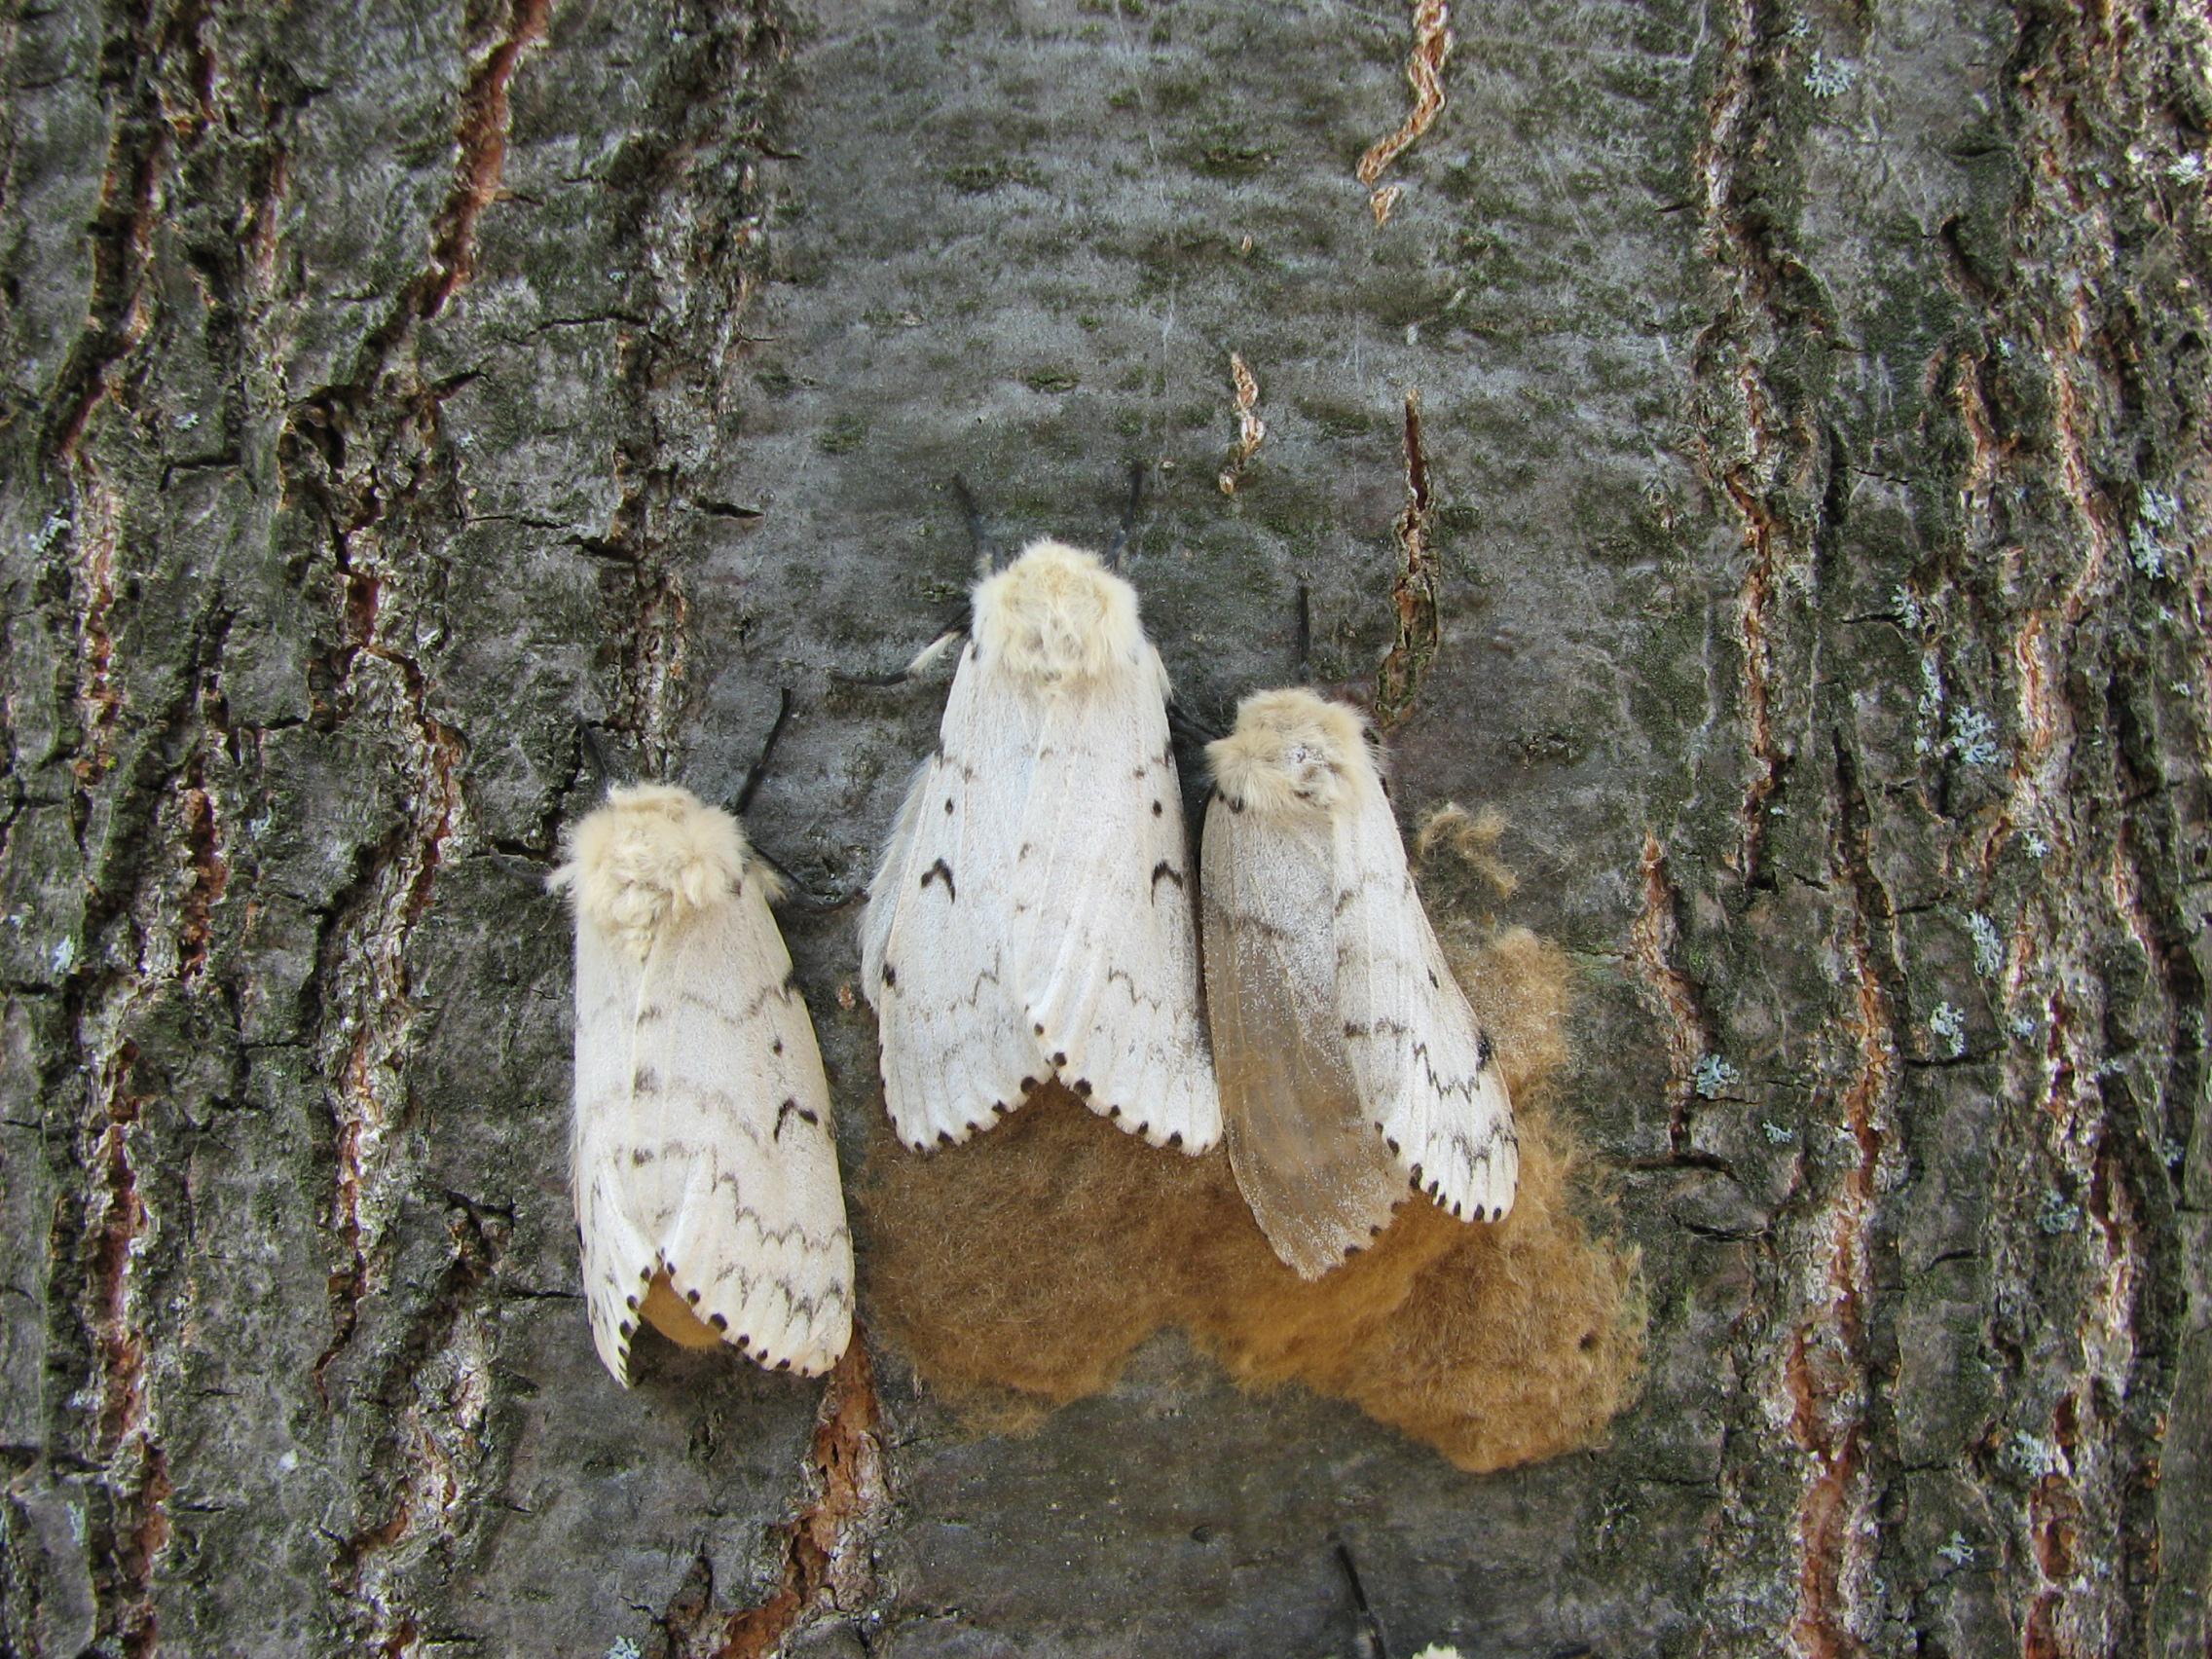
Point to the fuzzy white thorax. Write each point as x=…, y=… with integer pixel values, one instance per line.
x=653, y=856
x=1058, y=614
x=1293, y=753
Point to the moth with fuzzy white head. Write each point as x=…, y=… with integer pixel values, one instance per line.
x=1352, y=1070
x=1032, y=917
x=705, y=1175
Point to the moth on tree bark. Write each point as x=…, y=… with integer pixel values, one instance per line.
x=1807, y=566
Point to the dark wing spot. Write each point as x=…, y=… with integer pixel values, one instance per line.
x=890, y=975
x=941, y=871
x=776, y=1046
x=1001, y=1108
x=1485, y=1049
x=948, y=806
x=644, y=1081
x=1029, y=1083
x=790, y=979
x=1165, y=869
x=720, y=1321
x=692, y=1296
x=627, y=1329
x=1176, y=1139
x=1432, y=985
x=784, y=1110
x=1113, y=1114
x=945, y=1137
x=1155, y=809
x=1059, y=1059
x=1083, y=1086
x=640, y=1155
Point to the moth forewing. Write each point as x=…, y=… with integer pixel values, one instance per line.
x=1320, y=1183
x=1425, y=1067
x=705, y=1174
x=1104, y=928
x=954, y=1049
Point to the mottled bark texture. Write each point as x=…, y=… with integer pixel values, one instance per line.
x=1812, y=402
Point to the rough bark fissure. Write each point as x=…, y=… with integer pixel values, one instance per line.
x=482, y=141
x=1807, y=478
x=824, y=1549
x=1759, y=451
x=1833, y=1378
x=1414, y=593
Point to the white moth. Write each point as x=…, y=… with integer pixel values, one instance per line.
x=1033, y=914
x=704, y=1171
x=1351, y=1067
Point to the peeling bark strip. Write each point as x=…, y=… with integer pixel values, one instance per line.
x=1425, y=73
x=1413, y=595
x=826, y=1554
x=1250, y=429
x=1654, y=943
x=1754, y=609
x=118, y=1232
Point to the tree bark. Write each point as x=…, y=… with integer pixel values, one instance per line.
x=1811, y=458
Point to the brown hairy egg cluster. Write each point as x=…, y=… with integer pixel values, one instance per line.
x=1019, y=1271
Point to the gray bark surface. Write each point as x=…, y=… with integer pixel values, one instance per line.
x=1812, y=409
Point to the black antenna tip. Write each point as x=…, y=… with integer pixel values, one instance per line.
x=596, y=751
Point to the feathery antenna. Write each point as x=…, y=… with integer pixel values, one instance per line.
x=1371, y=1644
x=759, y=767
x=596, y=751
x=986, y=554
x=1115, y=553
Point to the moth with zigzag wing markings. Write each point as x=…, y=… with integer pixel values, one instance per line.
x=1032, y=917
x=1352, y=1070
x=705, y=1173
